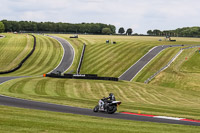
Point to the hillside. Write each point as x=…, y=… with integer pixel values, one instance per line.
x=14, y=48
x=45, y=58
x=183, y=73
x=114, y=59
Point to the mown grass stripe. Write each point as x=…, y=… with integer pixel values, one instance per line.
x=18, y=86
x=95, y=59
x=40, y=87
x=107, y=61
x=60, y=88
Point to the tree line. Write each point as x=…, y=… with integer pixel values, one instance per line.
x=179, y=32
x=129, y=31
x=31, y=26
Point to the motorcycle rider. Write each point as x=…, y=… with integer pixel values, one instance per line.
x=103, y=102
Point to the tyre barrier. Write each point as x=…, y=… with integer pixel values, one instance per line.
x=80, y=76
x=22, y=62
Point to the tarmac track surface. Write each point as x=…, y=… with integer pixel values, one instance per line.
x=68, y=56
x=15, y=102
x=142, y=62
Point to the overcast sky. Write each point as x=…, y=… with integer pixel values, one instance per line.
x=140, y=15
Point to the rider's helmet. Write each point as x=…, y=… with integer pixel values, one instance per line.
x=112, y=97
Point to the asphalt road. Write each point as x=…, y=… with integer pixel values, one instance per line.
x=142, y=62
x=68, y=56
x=4, y=79
x=15, y=102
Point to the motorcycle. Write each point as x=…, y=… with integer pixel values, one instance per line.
x=107, y=106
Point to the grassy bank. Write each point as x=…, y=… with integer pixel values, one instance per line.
x=183, y=73
x=14, y=48
x=46, y=57
x=113, y=59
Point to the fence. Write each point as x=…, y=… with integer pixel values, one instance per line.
x=81, y=59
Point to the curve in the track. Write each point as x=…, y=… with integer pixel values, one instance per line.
x=65, y=63
x=15, y=102
x=142, y=62
x=68, y=57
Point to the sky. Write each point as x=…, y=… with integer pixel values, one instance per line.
x=140, y=15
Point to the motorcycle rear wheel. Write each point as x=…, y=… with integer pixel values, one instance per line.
x=96, y=108
x=111, y=109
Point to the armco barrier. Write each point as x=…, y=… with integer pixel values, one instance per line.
x=22, y=62
x=81, y=76
x=81, y=59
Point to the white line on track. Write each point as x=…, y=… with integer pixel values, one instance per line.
x=170, y=118
x=63, y=55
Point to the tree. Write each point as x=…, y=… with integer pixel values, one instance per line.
x=129, y=31
x=121, y=30
x=106, y=31
x=156, y=32
x=29, y=26
x=2, y=28
x=150, y=32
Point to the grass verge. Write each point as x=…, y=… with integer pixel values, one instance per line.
x=26, y=120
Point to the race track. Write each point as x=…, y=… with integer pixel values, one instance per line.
x=142, y=62
x=15, y=102
x=68, y=56
x=63, y=66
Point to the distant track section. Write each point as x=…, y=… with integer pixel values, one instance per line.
x=142, y=62
x=22, y=62
x=68, y=56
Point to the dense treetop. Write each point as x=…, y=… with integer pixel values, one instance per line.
x=30, y=26
x=181, y=32
x=2, y=28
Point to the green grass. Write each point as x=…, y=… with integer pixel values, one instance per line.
x=174, y=92
x=193, y=64
x=26, y=120
x=113, y=60
x=46, y=57
x=14, y=48
x=182, y=74
x=86, y=93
